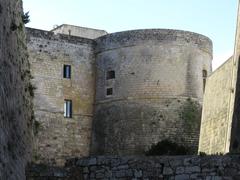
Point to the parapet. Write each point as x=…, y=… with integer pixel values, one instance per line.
x=135, y=37
x=31, y=32
x=84, y=32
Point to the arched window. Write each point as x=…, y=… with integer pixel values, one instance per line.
x=204, y=76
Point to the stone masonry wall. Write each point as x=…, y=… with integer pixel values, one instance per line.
x=234, y=144
x=15, y=93
x=147, y=168
x=56, y=137
x=216, y=121
x=158, y=74
x=148, y=122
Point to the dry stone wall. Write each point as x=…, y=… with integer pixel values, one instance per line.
x=15, y=93
x=57, y=137
x=133, y=168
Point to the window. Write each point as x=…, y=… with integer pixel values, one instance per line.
x=67, y=71
x=67, y=108
x=109, y=91
x=69, y=32
x=204, y=75
x=110, y=75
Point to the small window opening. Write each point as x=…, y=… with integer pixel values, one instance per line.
x=67, y=108
x=67, y=71
x=109, y=91
x=69, y=32
x=110, y=75
x=204, y=74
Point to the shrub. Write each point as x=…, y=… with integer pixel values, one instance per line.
x=25, y=18
x=202, y=154
x=166, y=147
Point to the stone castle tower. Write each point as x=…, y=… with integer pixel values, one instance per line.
x=151, y=74
x=119, y=93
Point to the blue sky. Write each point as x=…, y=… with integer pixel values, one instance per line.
x=213, y=18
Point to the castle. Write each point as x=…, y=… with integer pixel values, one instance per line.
x=103, y=94
x=117, y=94
x=114, y=94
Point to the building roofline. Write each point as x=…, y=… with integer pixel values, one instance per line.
x=77, y=27
x=38, y=33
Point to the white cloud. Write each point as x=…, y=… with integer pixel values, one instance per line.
x=219, y=59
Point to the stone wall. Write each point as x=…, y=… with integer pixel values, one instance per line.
x=216, y=121
x=56, y=137
x=79, y=31
x=221, y=106
x=15, y=93
x=234, y=144
x=158, y=73
x=162, y=168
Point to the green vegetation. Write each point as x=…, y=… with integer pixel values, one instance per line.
x=202, y=154
x=191, y=114
x=25, y=18
x=166, y=147
x=215, y=154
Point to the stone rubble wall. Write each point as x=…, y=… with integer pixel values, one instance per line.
x=16, y=93
x=135, y=167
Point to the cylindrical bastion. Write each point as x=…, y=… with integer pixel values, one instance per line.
x=149, y=87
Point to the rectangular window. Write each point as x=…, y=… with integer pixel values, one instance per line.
x=110, y=75
x=67, y=108
x=67, y=71
x=204, y=74
x=109, y=91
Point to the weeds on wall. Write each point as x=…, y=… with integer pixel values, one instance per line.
x=190, y=113
x=26, y=17
x=25, y=20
